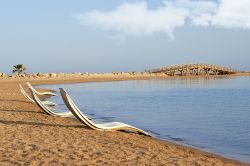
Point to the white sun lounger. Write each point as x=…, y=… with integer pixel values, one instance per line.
x=111, y=126
x=49, y=103
x=46, y=109
x=40, y=93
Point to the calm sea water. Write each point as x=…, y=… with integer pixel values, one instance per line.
x=211, y=114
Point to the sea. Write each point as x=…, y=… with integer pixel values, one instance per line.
x=211, y=114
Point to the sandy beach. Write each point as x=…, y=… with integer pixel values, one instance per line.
x=174, y=69
x=30, y=137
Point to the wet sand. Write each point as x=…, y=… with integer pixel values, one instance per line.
x=30, y=137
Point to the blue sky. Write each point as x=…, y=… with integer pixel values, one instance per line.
x=115, y=35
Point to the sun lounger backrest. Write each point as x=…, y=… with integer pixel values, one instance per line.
x=40, y=93
x=25, y=94
x=32, y=88
x=75, y=110
x=40, y=103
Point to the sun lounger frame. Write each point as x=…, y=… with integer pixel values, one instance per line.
x=46, y=108
x=41, y=93
x=49, y=103
x=113, y=126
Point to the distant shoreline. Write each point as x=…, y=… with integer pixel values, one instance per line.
x=111, y=76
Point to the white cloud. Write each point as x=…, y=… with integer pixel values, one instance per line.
x=137, y=19
x=196, y=7
x=232, y=14
x=224, y=14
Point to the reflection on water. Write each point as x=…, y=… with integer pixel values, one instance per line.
x=212, y=114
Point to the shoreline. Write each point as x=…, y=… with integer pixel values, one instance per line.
x=102, y=78
x=185, y=150
x=182, y=145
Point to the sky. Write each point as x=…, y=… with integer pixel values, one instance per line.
x=123, y=35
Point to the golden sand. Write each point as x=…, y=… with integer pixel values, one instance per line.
x=30, y=137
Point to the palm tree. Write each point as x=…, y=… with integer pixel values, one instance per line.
x=19, y=68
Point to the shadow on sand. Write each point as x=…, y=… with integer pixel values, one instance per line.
x=8, y=122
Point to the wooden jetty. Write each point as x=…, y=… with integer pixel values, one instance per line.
x=194, y=69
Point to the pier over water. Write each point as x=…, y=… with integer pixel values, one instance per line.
x=194, y=69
